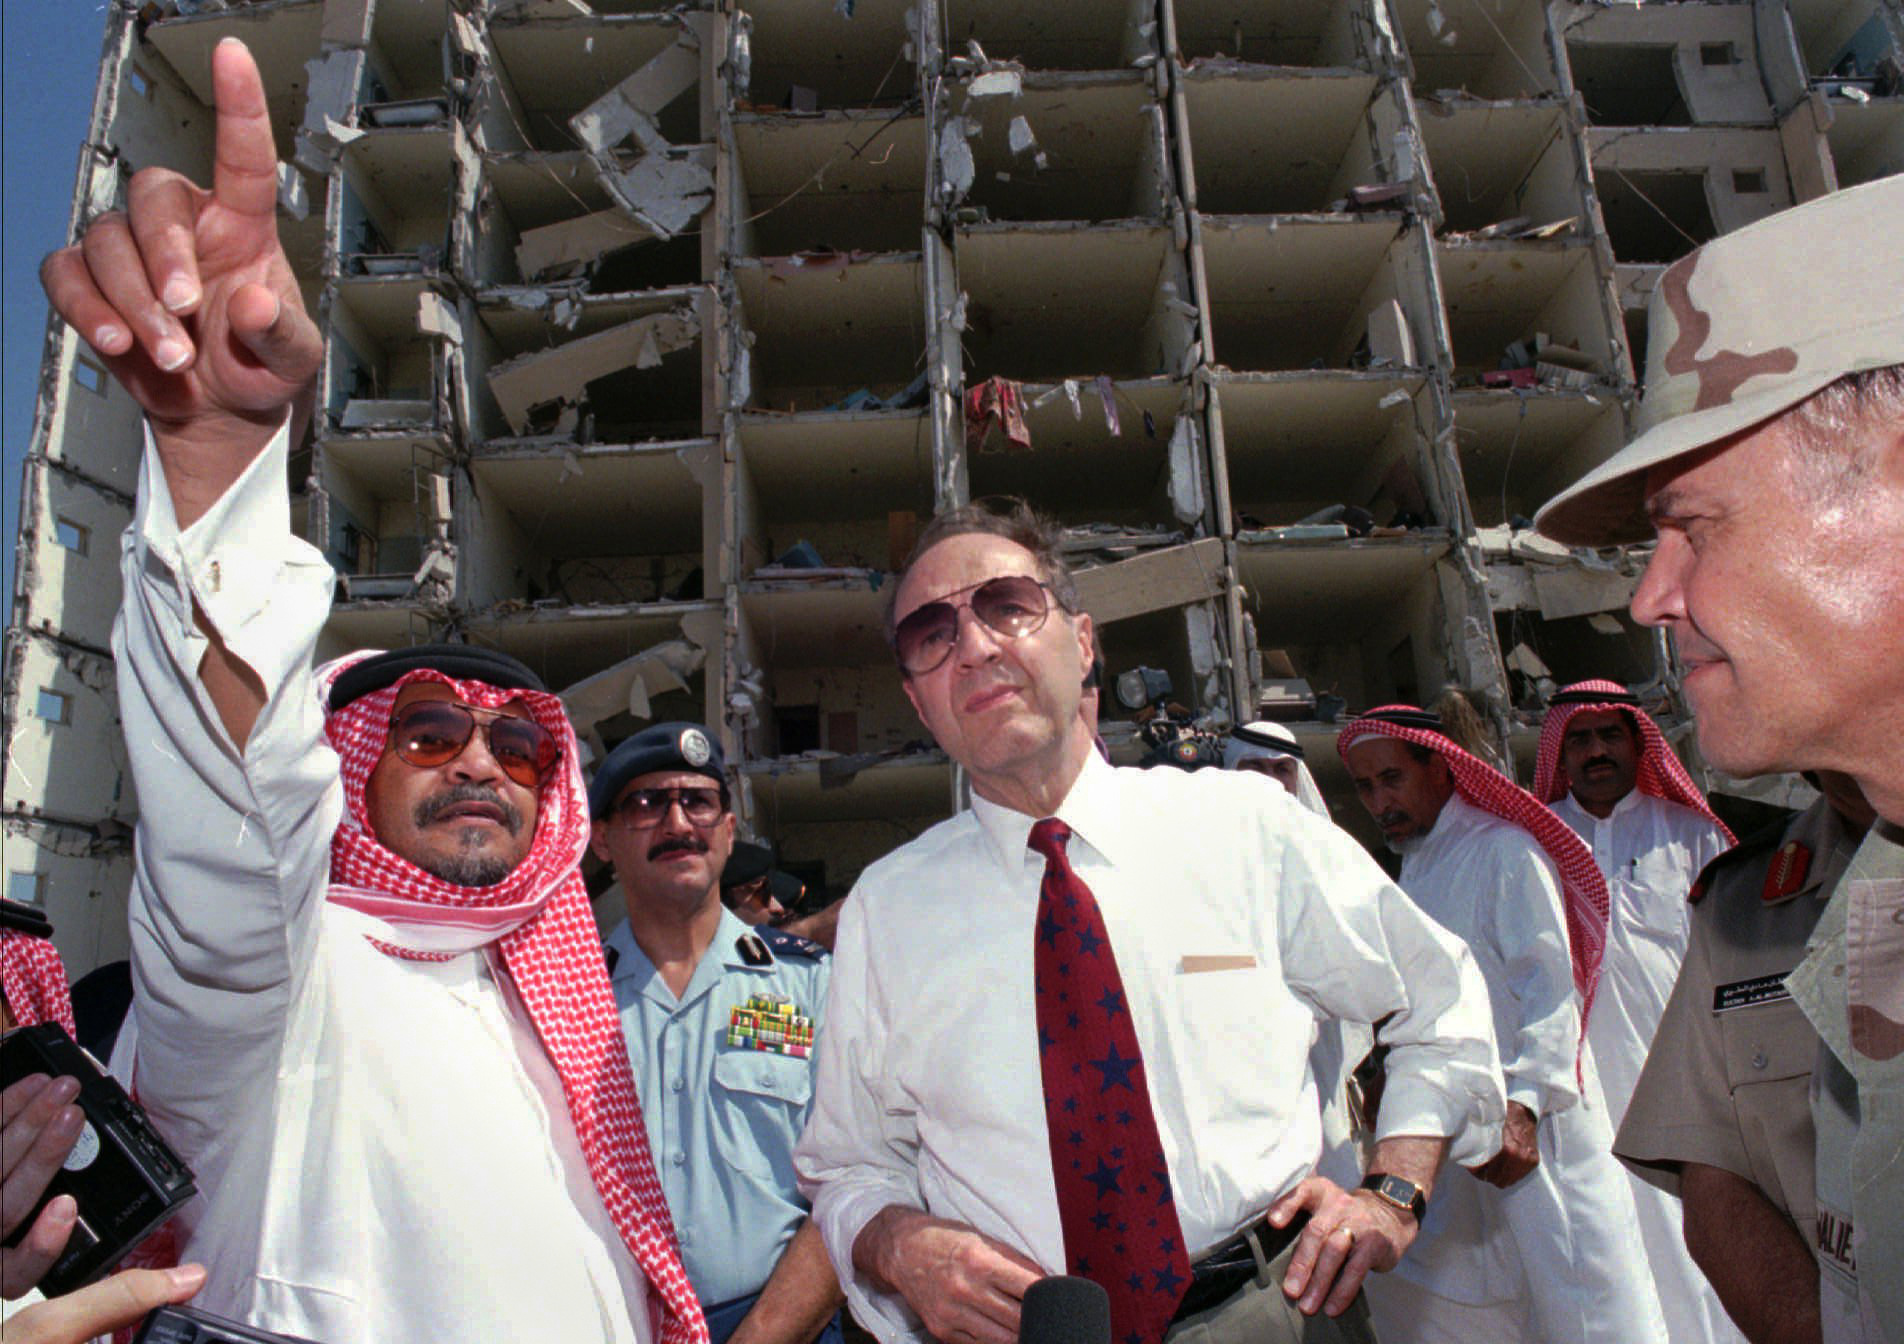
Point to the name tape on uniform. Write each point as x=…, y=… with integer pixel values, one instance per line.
x=1746, y=993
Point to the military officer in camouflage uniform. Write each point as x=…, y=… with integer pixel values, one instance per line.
x=1721, y=1114
x=1770, y=464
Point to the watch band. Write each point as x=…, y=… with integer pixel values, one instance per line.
x=1398, y=1191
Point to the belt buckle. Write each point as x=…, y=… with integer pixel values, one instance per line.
x=1224, y=1271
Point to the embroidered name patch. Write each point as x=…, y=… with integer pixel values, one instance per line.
x=1745, y=993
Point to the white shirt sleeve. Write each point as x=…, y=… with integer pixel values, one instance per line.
x=1521, y=915
x=1355, y=947
x=232, y=854
x=859, y=1152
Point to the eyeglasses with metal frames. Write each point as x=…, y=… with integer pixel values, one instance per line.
x=642, y=808
x=432, y=733
x=1011, y=606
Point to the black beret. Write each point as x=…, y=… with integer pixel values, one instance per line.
x=786, y=888
x=665, y=746
x=747, y=862
x=465, y=662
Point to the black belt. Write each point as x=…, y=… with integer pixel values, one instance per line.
x=1233, y=1264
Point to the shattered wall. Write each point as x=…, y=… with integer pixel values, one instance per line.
x=656, y=332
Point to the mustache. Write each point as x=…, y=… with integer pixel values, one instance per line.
x=1390, y=819
x=437, y=804
x=689, y=844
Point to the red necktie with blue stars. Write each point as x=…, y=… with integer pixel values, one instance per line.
x=1114, y=1202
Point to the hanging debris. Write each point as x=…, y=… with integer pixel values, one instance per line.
x=997, y=404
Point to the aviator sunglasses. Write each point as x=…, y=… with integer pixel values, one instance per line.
x=429, y=733
x=643, y=808
x=1013, y=606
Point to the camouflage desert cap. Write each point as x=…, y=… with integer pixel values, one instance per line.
x=1747, y=326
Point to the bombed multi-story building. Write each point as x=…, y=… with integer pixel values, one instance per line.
x=653, y=334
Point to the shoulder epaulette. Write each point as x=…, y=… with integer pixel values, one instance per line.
x=1757, y=845
x=1787, y=872
x=791, y=944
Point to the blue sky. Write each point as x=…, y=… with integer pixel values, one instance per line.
x=49, y=62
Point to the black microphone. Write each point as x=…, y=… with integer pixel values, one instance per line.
x=1065, y=1310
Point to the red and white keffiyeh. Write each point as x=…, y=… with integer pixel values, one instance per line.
x=538, y=921
x=1660, y=771
x=1583, y=889
x=34, y=980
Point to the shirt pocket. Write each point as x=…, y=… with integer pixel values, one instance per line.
x=1237, y=1004
x=1770, y=1051
x=1235, y=989
x=1765, y=1042
x=761, y=1103
x=1655, y=907
x=1232, y=1073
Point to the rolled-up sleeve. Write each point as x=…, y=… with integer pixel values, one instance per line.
x=232, y=851
x=859, y=1152
x=1355, y=947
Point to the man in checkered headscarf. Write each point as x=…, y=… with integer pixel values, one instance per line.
x=385, y=1039
x=1539, y=1242
x=369, y=1008
x=1607, y=771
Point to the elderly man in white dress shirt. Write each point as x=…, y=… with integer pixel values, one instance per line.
x=1538, y=1244
x=1607, y=771
x=1079, y=1044
x=370, y=1009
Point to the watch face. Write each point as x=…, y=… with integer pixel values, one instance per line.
x=1399, y=1191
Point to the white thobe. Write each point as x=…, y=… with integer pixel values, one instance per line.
x=1649, y=851
x=382, y=1147
x=1559, y=1248
x=1237, y=918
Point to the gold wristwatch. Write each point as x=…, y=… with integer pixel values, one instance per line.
x=1399, y=1191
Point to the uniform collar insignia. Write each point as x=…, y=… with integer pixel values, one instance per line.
x=1787, y=873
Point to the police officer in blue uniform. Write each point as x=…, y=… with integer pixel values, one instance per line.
x=720, y=1021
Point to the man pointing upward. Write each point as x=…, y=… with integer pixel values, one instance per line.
x=369, y=1007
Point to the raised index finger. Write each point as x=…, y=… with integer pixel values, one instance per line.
x=245, y=166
